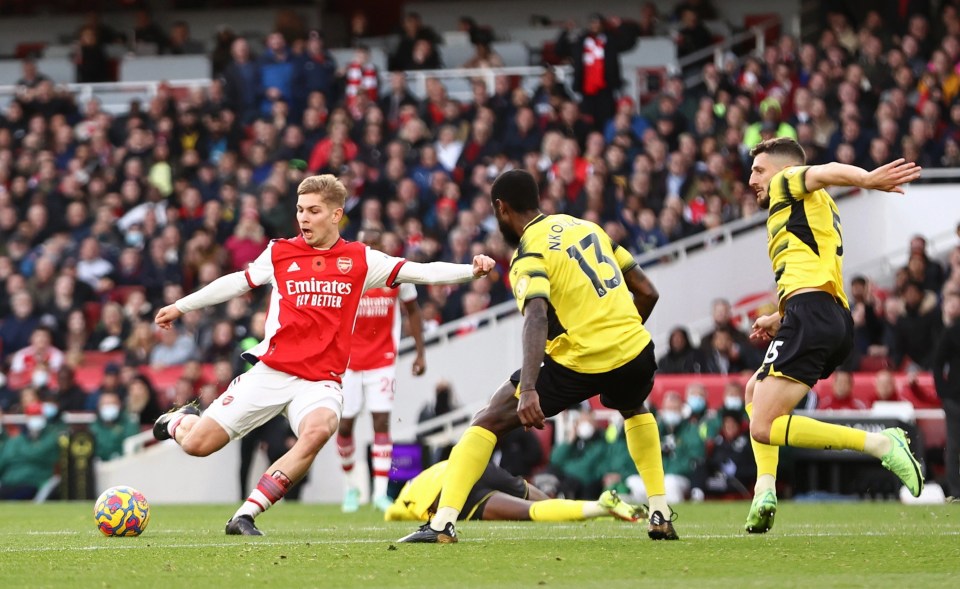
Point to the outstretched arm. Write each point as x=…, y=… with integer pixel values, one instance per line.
x=444, y=272
x=220, y=290
x=888, y=178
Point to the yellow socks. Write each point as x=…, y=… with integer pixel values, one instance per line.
x=468, y=460
x=643, y=443
x=803, y=432
x=561, y=510
x=766, y=456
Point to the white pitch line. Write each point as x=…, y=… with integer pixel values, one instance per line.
x=490, y=526
x=143, y=543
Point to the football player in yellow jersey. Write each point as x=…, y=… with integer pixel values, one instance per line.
x=812, y=332
x=584, y=301
x=500, y=496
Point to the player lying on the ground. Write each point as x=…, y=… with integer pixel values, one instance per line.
x=499, y=495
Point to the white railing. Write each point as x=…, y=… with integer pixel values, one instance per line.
x=910, y=414
x=418, y=79
x=680, y=249
x=450, y=425
x=447, y=331
x=136, y=443
x=757, y=32
x=115, y=97
x=939, y=174
x=78, y=418
x=885, y=266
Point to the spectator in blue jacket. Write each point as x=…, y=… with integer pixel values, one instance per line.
x=15, y=330
x=242, y=82
x=277, y=73
x=318, y=71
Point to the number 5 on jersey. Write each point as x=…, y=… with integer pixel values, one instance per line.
x=773, y=350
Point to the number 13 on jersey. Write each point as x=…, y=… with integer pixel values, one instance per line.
x=593, y=270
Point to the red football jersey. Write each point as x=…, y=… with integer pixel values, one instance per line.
x=377, y=331
x=314, y=303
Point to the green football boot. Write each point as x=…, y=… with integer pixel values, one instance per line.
x=619, y=508
x=901, y=461
x=762, y=511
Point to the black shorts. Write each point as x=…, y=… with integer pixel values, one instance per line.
x=494, y=479
x=816, y=336
x=624, y=388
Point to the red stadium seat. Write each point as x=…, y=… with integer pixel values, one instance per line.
x=548, y=54
x=923, y=396
x=29, y=49
x=90, y=375
x=119, y=294
x=874, y=363
x=91, y=312
x=101, y=359
x=752, y=20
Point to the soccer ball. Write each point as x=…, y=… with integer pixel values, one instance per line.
x=122, y=511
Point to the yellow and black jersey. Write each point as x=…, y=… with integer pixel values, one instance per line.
x=417, y=497
x=594, y=326
x=804, y=237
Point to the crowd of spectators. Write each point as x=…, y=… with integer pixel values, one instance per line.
x=105, y=217
x=896, y=327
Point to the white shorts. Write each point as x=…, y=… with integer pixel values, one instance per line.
x=371, y=388
x=260, y=394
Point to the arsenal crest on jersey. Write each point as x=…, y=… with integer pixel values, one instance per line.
x=344, y=264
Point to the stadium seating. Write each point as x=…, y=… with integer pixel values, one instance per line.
x=164, y=67
x=923, y=397
x=863, y=388
x=90, y=374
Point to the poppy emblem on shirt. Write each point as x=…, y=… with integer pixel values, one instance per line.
x=344, y=264
x=319, y=264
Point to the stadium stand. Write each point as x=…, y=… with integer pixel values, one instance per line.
x=199, y=171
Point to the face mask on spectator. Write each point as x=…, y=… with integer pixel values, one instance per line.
x=697, y=404
x=733, y=403
x=36, y=423
x=670, y=417
x=109, y=412
x=134, y=239
x=50, y=410
x=585, y=430
x=39, y=378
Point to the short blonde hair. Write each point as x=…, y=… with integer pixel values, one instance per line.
x=328, y=186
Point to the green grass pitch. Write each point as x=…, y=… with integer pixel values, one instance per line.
x=812, y=546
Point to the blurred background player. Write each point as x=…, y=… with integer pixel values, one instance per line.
x=371, y=379
x=584, y=300
x=499, y=495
